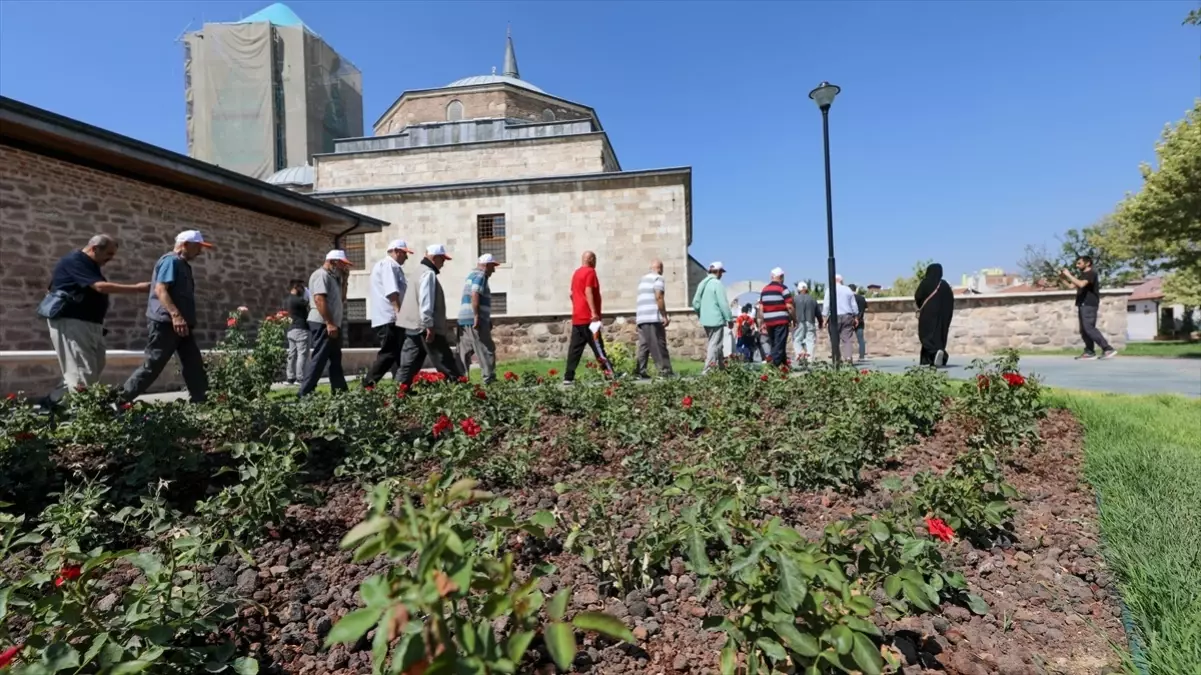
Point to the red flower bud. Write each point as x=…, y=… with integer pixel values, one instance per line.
x=552, y=372
x=939, y=529
x=68, y=573
x=7, y=656
x=687, y=402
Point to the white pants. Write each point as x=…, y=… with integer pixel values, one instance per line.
x=804, y=338
x=80, y=349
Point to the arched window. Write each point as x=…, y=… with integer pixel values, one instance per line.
x=548, y=115
x=454, y=111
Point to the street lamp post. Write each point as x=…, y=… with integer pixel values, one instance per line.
x=823, y=96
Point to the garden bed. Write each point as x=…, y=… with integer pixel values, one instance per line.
x=834, y=521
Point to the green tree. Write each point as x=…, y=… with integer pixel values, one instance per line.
x=907, y=286
x=1193, y=18
x=817, y=289
x=1039, y=266
x=1160, y=225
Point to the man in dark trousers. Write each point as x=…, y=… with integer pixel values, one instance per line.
x=585, y=317
x=861, y=302
x=387, y=293
x=423, y=318
x=777, y=314
x=297, y=306
x=325, y=323
x=1088, y=302
x=171, y=314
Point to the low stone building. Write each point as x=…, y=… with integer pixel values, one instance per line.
x=493, y=164
x=62, y=181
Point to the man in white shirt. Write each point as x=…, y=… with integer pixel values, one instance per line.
x=386, y=294
x=423, y=318
x=847, y=311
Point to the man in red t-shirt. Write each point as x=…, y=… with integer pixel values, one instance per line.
x=585, y=310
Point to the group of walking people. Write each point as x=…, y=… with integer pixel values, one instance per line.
x=412, y=324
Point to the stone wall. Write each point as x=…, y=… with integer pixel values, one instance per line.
x=461, y=163
x=984, y=324
x=626, y=219
x=547, y=337
x=49, y=207
x=494, y=102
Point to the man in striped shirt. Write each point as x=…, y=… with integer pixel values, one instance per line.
x=777, y=315
x=652, y=323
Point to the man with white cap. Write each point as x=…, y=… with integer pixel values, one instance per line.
x=777, y=315
x=385, y=295
x=423, y=318
x=475, y=319
x=808, y=316
x=171, y=311
x=713, y=309
x=652, y=321
x=325, y=322
x=845, y=314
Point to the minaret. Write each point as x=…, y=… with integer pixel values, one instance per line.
x=510, y=57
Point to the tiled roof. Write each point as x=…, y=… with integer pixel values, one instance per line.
x=1150, y=289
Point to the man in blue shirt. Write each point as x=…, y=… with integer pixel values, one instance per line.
x=77, y=331
x=475, y=320
x=171, y=311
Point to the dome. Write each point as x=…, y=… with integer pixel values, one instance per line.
x=494, y=79
x=293, y=175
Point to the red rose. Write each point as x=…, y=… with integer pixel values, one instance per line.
x=11, y=397
x=767, y=359
x=939, y=529
x=1014, y=379
x=462, y=379
x=481, y=394
x=763, y=377
x=126, y=406
x=609, y=391
x=865, y=371
x=231, y=322
x=369, y=388
x=443, y=424
x=854, y=379
x=470, y=427
x=510, y=376
x=387, y=403
x=687, y=402
x=552, y=372
x=7, y=656
x=68, y=573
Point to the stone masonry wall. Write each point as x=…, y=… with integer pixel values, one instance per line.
x=49, y=207
x=547, y=337
x=434, y=165
x=984, y=324
x=501, y=101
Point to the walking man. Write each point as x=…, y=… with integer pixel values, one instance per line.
x=475, y=320
x=713, y=309
x=77, y=328
x=325, y=323
x=586, y=310
x=171, y=314
x=1088, y=302
x=861, y=319
x=778, y=315
x=423, y=318
x=297, y=306
x=847, y=313
x=804, y=337
x=652, y=321
x=387, y=289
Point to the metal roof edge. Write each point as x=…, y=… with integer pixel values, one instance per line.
x=17, y=114
x=443, y=146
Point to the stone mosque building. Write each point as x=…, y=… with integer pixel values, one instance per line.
x=494, y=164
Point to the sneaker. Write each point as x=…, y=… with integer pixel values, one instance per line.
x=1087, y=356
x=1109, y=354
x=940, y=359
x=641, y=376
x=568, y=383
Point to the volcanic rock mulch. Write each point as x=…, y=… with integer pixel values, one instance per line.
x=1053, y=606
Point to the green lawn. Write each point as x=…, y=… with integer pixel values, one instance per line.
x=1165, y=349
x=1143, y=456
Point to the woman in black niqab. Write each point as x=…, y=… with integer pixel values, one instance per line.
x=935, y=305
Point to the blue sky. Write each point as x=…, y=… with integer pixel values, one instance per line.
x=964, y=130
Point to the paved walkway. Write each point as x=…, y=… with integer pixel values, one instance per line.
x=1122, y=375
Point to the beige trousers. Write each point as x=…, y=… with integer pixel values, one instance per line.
x=80, y=349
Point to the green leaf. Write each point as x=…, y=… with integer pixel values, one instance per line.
x=161, y=635
x=916, y=594
x=94, y=648
x=130, y=667
x=150, y=564
x=862, y=625
x=560, y=641
x=892, y=484
x=977, y=604
x=500, y=522
x=879, y=531
x=867, y=656
x=244, y=665
x=801, y=643
x=790, y=592
x=353, y=626
x=842, y=638
x=696, y=552
x=375, y=591
x=751, y=558
x=605, y=624
x=558, y=604
x=517, y=643
x=60, y=656
x=543, y=519
x=365, y=529
x=772, y=648
x=408, y=651
x=729, y=659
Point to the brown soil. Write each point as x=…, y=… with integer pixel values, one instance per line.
x=1053, y=605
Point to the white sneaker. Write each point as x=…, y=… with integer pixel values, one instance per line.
x=940, y=358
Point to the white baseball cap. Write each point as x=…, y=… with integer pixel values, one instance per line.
x=716, y=265
x=192, y=237
x=337, y=255
x=802, y=286
x=488, y=259
x=437, y=249
x=399, y=245
x=777, y=272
